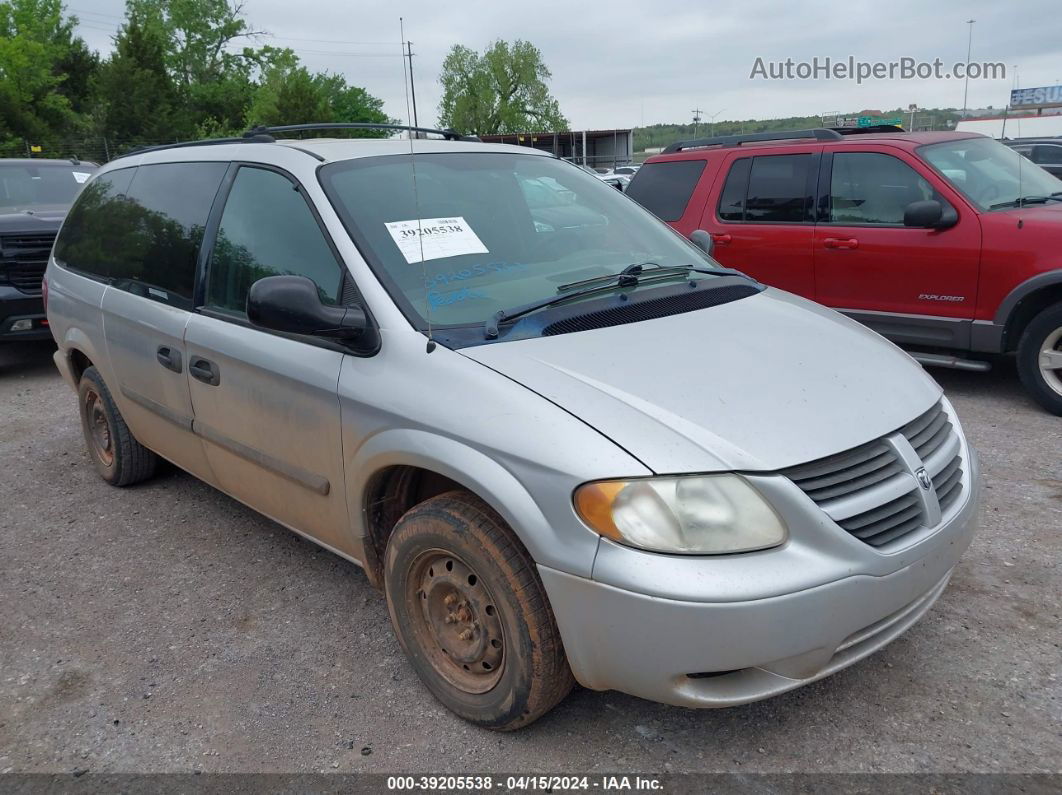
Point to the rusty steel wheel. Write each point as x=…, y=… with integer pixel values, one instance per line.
x=99, y=429
x=119, y=458
x=455, y=621
x=471, y=614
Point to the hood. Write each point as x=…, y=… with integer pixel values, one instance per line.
x=27, y=220
x=1021, y=240
x=758, y=384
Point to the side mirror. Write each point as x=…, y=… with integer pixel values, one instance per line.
x=292, y=304
x=703, y=241
x=929, y=214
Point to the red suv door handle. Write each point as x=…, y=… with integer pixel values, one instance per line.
x=722, y=237
x=838, y=242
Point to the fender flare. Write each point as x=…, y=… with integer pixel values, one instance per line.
x=1018, y=294
x=76, y=339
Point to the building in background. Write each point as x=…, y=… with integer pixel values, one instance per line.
x=594, y=148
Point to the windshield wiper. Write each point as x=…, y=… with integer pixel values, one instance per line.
x=631, y=276
x=1021, y=201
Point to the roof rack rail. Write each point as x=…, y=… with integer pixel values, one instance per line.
x=819, y=134
x=140, y=150
x=449, y=135
x=264, y=135
x=873, y=128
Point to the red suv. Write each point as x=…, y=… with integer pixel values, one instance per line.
x=949, y=244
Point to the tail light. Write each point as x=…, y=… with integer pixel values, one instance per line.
x=44, y=292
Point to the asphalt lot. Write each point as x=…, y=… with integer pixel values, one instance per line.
x=168, y=628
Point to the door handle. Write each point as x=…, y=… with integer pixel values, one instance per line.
x=169, y=358
x=722, y=238
x=840, y=242
x=204, y=370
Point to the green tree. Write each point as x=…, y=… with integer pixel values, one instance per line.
x=503, y=90
x=38, y=100
x=215, y=81
x=289, y=94
x=137, y=99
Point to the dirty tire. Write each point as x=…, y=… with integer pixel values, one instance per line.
x=1041, y=339
x=119, y=458
x=455, y=576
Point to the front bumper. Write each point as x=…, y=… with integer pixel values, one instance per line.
x=724, y=653
x=16, y=305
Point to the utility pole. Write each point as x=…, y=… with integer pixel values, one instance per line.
x=969, y=45
x=696, y=119
x=412, y=87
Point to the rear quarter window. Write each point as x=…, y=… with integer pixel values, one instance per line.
x=92, y=225
x=665, y=188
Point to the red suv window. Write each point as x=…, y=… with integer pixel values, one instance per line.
x=768, y=189
x=665, y=188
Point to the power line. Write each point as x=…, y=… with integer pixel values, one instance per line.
x=121, y=19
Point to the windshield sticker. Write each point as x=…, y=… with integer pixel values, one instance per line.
x=476, y=271
x=80, y=176
x=440, y=238
x=454, y=297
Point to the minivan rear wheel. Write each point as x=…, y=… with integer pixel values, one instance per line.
x=1040, y=358
x=119, y=458
x=471, y=614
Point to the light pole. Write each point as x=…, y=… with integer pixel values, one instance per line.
x=969, y=45
x=712, y=117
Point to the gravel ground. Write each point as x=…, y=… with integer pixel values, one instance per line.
x=168, y=628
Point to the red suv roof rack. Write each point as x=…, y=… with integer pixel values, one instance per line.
x=819, y=134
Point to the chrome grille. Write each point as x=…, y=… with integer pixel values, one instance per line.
x=872, y=491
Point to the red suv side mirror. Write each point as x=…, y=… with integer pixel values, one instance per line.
x=929, y=214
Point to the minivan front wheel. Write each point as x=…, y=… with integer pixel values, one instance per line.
x=119, y=458
x=1040, y=358
x=471, y=614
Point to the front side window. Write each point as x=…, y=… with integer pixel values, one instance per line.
x=94, y=224
x=664, y=189
x=991, y=175
x=267, y=229
x=873, y=188
x=159, y=228
x=487, y=231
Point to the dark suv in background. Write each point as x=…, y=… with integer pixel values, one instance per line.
x=34, y=198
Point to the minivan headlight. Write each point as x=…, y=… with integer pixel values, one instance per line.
x=692, y=515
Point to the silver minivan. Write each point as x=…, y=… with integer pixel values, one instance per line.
x=565, y=443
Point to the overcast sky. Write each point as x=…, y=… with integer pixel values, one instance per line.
x=626, y=63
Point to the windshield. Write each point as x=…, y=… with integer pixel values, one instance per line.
x=32, y=185
x=499, y=230
x=989, y=174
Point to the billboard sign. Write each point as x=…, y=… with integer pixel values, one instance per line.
x=1043, y=97
x=865, y=121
